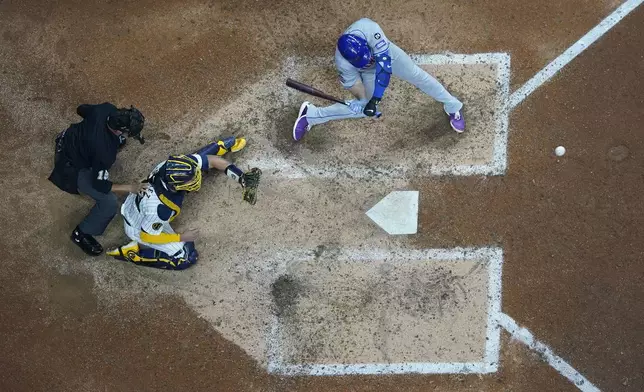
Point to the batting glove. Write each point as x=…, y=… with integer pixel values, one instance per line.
x=356, y=105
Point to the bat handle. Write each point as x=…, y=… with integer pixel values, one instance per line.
x=378, y=114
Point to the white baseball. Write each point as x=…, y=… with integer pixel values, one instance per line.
x=559, y=151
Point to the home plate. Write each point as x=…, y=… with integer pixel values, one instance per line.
x=388, y=311
x=397, y=213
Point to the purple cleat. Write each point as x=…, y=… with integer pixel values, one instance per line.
x=301, y=126
x=457, y=121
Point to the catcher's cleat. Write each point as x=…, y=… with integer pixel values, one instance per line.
x=231, y=144
x=129, y=252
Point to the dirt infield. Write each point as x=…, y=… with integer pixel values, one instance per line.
x=569, y=227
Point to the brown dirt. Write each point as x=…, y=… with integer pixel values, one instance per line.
x=66, y=342
x=570, y=227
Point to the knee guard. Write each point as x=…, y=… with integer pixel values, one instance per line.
x=157, y=259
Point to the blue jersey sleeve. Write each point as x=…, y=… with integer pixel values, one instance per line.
x=383, y=74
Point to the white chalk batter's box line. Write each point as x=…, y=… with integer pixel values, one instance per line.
x=494, y=257
x=498, y=165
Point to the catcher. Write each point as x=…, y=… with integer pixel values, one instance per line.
x=147, y=214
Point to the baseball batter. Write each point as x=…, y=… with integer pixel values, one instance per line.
x=365, y=60
x=147, y=214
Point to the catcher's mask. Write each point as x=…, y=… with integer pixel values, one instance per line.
x=130, y=121
x=182, y=173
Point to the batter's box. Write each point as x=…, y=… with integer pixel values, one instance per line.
x=413, y=137
x=384, y=312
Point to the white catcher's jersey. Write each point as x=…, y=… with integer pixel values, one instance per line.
x=140, y=212
x=149, y=214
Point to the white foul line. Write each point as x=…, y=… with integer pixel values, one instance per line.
x=557, y=64
x=561, y=366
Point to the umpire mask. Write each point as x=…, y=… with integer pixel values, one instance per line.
x=130, y=121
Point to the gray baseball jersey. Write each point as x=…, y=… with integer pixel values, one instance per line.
x=402, y=66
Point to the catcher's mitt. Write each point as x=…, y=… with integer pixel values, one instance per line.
x=250, y=183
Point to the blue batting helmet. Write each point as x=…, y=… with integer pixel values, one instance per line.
x=182, y=173
x=355, y=49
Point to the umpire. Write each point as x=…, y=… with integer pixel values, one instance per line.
x=84, y=153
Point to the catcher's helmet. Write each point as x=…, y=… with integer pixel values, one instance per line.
x=355, y=50
x=129, y=120
x=182, y=173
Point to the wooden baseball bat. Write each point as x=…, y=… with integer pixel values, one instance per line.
x=305, y=88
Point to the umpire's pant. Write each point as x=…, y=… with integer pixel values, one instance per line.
x=103, y=211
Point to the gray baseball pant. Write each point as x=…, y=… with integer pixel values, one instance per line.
x=103, y=211
x=402, y=67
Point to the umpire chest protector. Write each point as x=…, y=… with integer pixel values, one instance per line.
x=88, y=144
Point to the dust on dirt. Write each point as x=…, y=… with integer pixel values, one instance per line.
x=286, y=291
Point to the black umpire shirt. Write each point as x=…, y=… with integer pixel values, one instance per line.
x=90, y=143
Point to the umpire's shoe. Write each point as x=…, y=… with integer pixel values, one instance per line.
x=86, y=242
